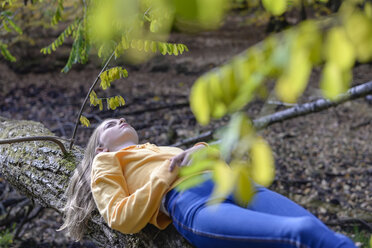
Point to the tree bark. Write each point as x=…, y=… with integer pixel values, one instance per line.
x=40, y=171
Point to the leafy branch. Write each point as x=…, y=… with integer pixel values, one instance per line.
x=290, y=113
x=86, y=99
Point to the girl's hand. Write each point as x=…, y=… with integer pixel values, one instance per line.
x=184, y=158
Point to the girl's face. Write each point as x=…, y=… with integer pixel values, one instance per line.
x=115, y=134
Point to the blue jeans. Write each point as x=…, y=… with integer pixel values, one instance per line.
x=270, y=220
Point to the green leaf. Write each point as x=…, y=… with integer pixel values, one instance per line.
x=190, y=182
x=5, y=52
x=211, y=12
x=275, y=7
x=228, y=83
x=262, y=171
x=163, y=48
x=133, y=44
x=124, y=73
x=180, y=48
x=153, y=26
x=147, y=46
x=169, y=48
x=124, y=42
x=185, y=47
x=6, y=27
x=239, y=126
x=14, y=26
x=175, y=50
x=216, y=93
x=202, y=160
x=139, y=45
x=199, y=103
x=153, y=46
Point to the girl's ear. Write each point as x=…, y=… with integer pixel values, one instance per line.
x=101, y=149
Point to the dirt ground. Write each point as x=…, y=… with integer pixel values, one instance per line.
x=323, y=160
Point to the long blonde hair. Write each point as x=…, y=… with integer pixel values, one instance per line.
x=80, y=203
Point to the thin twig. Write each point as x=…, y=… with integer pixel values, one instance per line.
x=350, y=221
x=35, y=138
x=86, y=99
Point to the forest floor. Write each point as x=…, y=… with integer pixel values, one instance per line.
x=323, y=160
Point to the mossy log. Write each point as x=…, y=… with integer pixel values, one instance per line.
x=40, y=171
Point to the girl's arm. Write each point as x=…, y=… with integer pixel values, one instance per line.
x=127, y=213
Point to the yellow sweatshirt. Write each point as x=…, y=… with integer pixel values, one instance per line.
x=128, y=186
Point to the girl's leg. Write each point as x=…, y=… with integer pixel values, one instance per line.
x=260, y=225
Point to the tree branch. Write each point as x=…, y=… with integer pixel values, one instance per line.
x=313, y=107
x=297, y=111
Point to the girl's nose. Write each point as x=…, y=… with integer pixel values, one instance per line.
x=122, y=120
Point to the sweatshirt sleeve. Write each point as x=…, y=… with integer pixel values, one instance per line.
x=127, y=213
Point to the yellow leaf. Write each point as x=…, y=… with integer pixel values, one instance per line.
x=147, y=45
x=359, y=30
x=275, y=7
x=140, y=45
x=224, y=179
x=334, y=81
x=228, y=83
x=92, y=99
x=368, y=11
x=84, y=121
x=124, y=43
x=262, y=169
x=338, y=48
x=199, y=103
x=244, y=189
x=133, y=44
x=248, y=84
x=310, y=38
x=293, y=82
x=122, y=101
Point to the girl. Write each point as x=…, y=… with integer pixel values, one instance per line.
x=132, y=185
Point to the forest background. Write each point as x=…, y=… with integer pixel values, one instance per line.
x=322, y=160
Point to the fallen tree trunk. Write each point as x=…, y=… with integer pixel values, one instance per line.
x=39, y=171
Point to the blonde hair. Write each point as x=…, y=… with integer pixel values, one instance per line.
x=80, y=203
